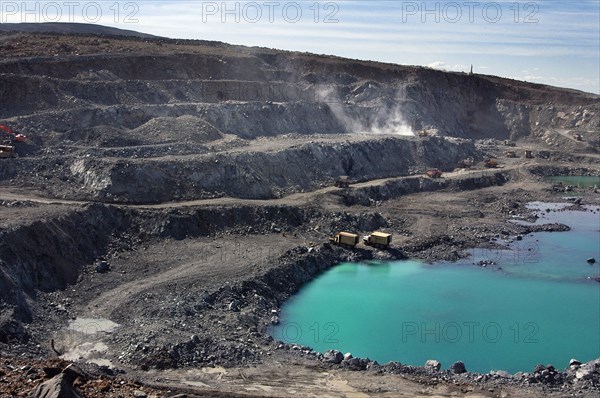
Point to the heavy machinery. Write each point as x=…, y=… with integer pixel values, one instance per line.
x=491, y=163
x=434, y=173
x=7, y=140
x=380, y=240
x=510, y=154
x=7, y=151
x=343, y=182
x=344, y=239
x=529, y=154
x=509, y=143
x=9, y=136
x=465, y=163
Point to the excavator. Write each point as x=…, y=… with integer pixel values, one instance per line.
x=11, y=136
x=7, y=140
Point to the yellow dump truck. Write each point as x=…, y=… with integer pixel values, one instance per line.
x=491, y=163
x=380, y=240
x=345, y=239
x=465, y=163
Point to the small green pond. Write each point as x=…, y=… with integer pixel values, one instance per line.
x=578, y=181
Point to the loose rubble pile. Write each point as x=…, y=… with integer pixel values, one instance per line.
x=59, y=379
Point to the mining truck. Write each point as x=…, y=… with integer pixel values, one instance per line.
x=491, y=163
x=465, y=163
x=435, y=173
x=8, y=138
x=343, y=182
x=7, y=151
x=344, y=239
x=380, y=240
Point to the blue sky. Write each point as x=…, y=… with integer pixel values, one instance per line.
x=554, y=42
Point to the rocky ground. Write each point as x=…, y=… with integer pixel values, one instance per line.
x=211, y=211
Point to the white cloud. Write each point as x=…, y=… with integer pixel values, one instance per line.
x=447, y=67
x=437, y=65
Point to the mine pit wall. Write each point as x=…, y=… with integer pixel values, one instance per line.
x=49, y=255
x=369, y=196
x=257, y=94
x=274, y=174
x=245, y=120
x=464, y=112
x=248, y=175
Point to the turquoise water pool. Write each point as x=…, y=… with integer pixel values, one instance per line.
x=537, y=305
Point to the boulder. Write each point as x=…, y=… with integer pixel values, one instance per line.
x=354, y=363
x=458, y=367
x=73, y=372
x=500, y=373
x=589, y=371
x=393, y=367
x=60, y=386
x=11, y=329
x=50, y=371
x=433, y=364
x=102, y=267
x=333, y=356
x=538, y=368
x=546, y=374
